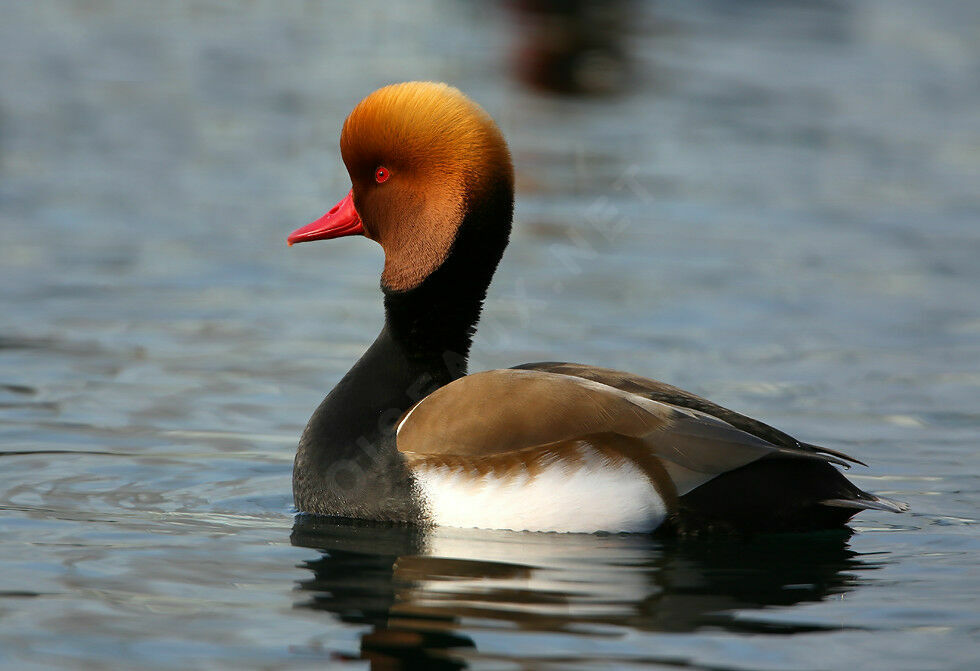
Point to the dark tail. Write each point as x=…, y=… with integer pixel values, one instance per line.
x=775, y=494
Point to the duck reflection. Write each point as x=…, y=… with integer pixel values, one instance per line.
x=414, y=587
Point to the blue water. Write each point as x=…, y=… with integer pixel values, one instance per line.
x=780, y=212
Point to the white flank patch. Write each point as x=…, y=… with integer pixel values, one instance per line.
x=592, y=495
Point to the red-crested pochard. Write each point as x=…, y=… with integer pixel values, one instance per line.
x=408, y=436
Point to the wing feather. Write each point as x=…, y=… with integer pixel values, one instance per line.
x=665, y=393
x=502, y=412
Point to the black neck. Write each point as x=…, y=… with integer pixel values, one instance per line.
x=437, y=319
x=424, y=345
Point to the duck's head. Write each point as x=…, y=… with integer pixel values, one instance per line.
x=430, y=173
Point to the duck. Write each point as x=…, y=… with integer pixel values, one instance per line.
x=409, y=436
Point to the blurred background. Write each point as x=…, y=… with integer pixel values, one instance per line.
x=773, y=204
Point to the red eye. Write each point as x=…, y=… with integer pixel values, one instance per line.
x=381, y=175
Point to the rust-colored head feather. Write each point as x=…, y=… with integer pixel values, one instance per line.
x=442, y=152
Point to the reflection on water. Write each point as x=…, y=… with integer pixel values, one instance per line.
x=416, y=588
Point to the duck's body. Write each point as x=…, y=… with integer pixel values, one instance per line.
x=408, y=436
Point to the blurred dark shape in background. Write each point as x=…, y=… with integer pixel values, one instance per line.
x=573, y=47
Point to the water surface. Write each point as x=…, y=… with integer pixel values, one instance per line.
x=781, y=213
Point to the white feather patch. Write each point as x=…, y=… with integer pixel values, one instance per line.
x=591, y=495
